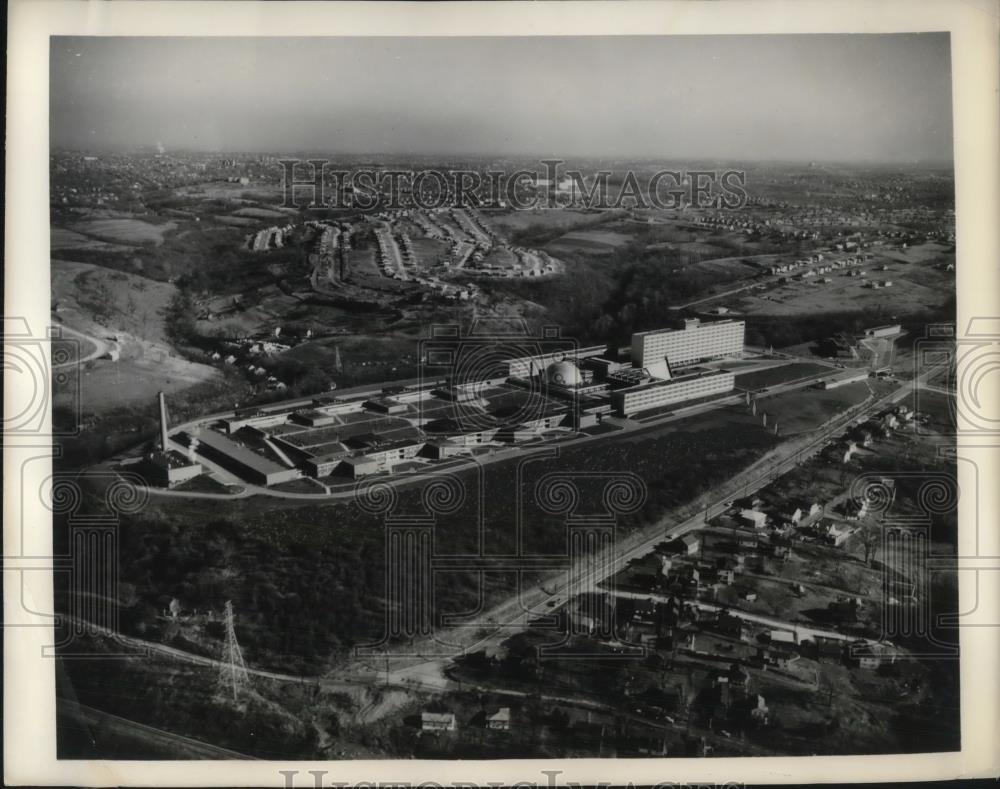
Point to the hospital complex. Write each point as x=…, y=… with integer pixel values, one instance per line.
x=367, y=431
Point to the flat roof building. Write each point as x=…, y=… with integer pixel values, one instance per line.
x=170, y=469
x=242, y=461
x=658, y=351
x=525, y=366
x=647, y=397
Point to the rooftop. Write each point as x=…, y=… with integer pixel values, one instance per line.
x=238, y=452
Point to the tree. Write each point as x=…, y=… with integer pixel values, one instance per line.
x=870, y=534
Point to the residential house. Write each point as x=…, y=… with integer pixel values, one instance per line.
x=758, y=710
x=499, y=720
x=778, y=655
x=835, y=534
x=758, y=520
x=829, y=649
x=869, y=656
x=781, y=548
x=747, y=542
x=691, y=543
x=437, y=721
x=730, y=625
x=783, y=637
x=845, y=610
x=855, y=508
x=725, y=570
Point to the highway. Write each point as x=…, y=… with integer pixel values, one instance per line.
x=515, y=614
x=423, y=667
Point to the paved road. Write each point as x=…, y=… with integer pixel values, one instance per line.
x=515, y=614
x=100, y=347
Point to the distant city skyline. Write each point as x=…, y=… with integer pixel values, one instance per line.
x=823, y=98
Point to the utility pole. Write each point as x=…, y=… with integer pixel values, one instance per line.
x=233, y=670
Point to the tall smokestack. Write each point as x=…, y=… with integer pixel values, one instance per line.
x=163, y=422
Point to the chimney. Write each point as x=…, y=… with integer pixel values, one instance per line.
x=163, y=422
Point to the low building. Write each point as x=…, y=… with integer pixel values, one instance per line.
x=843, y=378
x=312, y=418
x=438, y=721
x=730, y=625
x=725, y=571
x=747, y=542
x=783, y=637
x=836, y=534
x=442, y=448
x=757, y=520
x=691, y=543
x=242, y=461
x=325, y=464
x=170, y=469
x=870, y=656
x=499, y=720
x=883, y=331
x=758, y=710
x=385, y=405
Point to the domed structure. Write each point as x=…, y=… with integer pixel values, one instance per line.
x=563, y=374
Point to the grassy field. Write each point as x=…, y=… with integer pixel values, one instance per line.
x=117, y=301
x=593, y=242
x=778, y=375
x=125, y=231
x=549, y=218
x=806, y=409
x=62, y=239
x=260, y=213
x=914, y=287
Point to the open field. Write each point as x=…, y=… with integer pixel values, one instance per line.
x=260, y=213
x=62, y=239
x=550, y=218
x=920, y=253
x=117, y=301
x=778, y=375
x=124, y=231
x=106, y=304
x=594, y=242
x=807, y=297
x=805, y=409
x=238, y=221
x=106, y=385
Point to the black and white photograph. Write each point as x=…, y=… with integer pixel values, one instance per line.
x=504, y=397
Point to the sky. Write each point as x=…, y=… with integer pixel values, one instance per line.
x=864, y=98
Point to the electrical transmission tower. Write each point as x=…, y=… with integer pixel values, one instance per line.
x=233, y=670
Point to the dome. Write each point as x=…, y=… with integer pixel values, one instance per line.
x=563, y=374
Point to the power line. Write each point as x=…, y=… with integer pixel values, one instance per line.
x=233, y=670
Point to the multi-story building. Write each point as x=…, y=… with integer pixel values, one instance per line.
x=527, y=366
x=697, y=341
x=656, y=394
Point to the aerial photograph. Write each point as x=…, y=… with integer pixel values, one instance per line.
x=505, y=397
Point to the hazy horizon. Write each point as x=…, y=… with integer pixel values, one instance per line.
x=830, y=99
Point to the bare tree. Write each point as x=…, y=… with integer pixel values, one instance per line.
x=870, y=534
